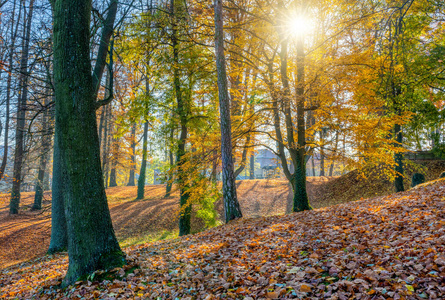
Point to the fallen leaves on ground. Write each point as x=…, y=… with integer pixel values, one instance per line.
x=383, y=248
x=352, y=186
x=27, y=235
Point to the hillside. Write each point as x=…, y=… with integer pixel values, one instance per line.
x=391, y=247
x=27, y=235
x=352, y=186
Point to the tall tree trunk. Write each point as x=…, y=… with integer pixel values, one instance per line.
x=92, y=244
x=297, y=179
x=300, y=200
x=8, y=92
x=277, y=123
x=231, y=205
x=104, y=139
x=59, y=238
x=322, y=162
x=132, y=156
x=322, y=166
x=143, y=171
x=21, y=114
x=296, y=150
x=186, y=207
x=44, y=153
x=396, y=91
x=182, y=109
x=252, y=167
x=101, y=123
x=169, y=185
x=106, y=146
x=113, y=174
x=113, y=179
x=398, y=157
x=313, y=164
x=331, y=169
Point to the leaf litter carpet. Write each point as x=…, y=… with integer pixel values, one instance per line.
x=388, y=247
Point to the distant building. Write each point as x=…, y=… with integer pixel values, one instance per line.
x=266, y=158
x=269, y=163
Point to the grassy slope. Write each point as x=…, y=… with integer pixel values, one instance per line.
x=390, y=247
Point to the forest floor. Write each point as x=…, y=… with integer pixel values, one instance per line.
x=387, y=245
x=27, y=235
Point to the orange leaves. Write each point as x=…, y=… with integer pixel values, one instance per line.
x=371, y=247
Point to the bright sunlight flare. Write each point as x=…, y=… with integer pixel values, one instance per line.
x=299, y=25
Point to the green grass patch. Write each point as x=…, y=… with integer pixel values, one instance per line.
x=148, y=238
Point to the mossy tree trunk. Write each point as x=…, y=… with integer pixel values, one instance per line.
x=92, y=244
x=301, y=201
x=59, y=239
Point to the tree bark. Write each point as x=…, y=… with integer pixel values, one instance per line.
x=21, y=115
x=313, y=164
x=59, y=238
x=297, y=179
x=169, y=185
x=300, y=200
x=92, y=244
x=8, y=93
x=182, y=109
x=106, y=145
x=398, y=157
x=143, y=171
x=252, y=167
x=277, y=124
x=231, y=205
x=107, y=32
x=132, y=156
x=44, y=153
x=113, y=175
x=101, y=123
x=331, y=169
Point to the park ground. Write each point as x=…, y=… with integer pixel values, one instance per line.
x=388, y=245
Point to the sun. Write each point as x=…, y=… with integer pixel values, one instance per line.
x=299, y=25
